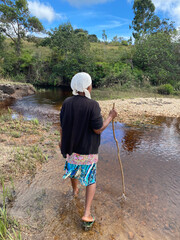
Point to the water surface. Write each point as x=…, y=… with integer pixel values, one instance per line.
x=151, y=161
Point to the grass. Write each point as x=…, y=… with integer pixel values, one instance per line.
x=10, y=81
x=24, y=145
x=117, y=92
x=101, y=51
x=43, y=52
x=108, y=53
x=7, y=224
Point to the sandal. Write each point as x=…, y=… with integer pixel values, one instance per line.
x=87, y=225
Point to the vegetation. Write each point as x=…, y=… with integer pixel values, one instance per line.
x=165, y=89
x=158, y=57
x=152, y=60
x=122, y=92
x=22, y=142
x=15, y=21
x=146, y=22
x=9, y=228
x=24, y=145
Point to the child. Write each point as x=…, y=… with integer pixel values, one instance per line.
x=81, y=126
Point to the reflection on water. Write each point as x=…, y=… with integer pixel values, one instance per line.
x=44, y=105
x=151, y=161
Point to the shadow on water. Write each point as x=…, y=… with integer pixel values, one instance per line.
x=151, y=161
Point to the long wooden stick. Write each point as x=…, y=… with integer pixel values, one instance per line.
x=120, y=162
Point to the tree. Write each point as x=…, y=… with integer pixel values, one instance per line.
x=2, y=38
x=146, y=22
x=157, y=56
x=104, y=36
x=15, y=21
x=81, y=31
x=70, y=53
x=144, y=12
x=130, y=41
x=92, y=38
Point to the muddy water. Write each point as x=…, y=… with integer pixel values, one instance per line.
x=151, y=161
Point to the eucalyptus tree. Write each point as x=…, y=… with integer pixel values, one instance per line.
x=146, y=22
x=144, y=15
x=15, y=21
x=104, y=36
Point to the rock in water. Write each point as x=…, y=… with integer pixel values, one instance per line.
x=15, y=91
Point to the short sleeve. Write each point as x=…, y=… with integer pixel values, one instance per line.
x=96, y=118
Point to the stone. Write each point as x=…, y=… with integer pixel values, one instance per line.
x=15, y=91
x=130, y=235
x=9, y=89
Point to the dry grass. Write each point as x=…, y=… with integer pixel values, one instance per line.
x=9, y=81
x=24, y=145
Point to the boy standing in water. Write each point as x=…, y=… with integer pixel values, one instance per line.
x=81, y=126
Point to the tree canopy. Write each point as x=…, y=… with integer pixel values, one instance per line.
x=15, y=21
x=146, y=22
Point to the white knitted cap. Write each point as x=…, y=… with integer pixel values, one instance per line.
x=80, y=82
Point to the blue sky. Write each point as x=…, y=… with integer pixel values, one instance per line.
x=114, y=16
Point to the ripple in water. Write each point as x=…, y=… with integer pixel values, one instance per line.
x=151, y=161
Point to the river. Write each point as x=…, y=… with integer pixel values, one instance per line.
x=151, y=161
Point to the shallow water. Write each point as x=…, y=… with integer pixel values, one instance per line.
x=151, y=161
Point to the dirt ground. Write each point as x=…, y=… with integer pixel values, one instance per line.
x=141, y=110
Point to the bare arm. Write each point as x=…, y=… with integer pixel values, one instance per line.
x=112, y=115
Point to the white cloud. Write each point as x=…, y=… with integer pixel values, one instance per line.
x=112, y=24
x=43, y=11
x=78, y=3
x=39, y=35
x=164, y=5
x=170, y=7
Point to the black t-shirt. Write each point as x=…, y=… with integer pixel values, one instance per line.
x=79, y=116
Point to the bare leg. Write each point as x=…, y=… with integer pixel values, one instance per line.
x=74, y=183
x=90, y=191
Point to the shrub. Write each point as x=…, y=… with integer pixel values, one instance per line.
x=165, y=89
x=35, y=121
x=177, y=86
x=19, y=78
x=124, y=43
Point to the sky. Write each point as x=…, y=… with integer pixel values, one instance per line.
x=113, y=16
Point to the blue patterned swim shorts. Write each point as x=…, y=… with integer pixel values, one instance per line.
x=86, y=174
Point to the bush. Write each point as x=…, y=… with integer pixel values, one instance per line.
x=165, y=89
x=177, y=86
x=19, y=78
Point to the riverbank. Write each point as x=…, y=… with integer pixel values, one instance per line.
x=10, y=90
x=141, y=110
x=25, y=147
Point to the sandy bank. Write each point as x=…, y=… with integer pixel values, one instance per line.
x=141, y=109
